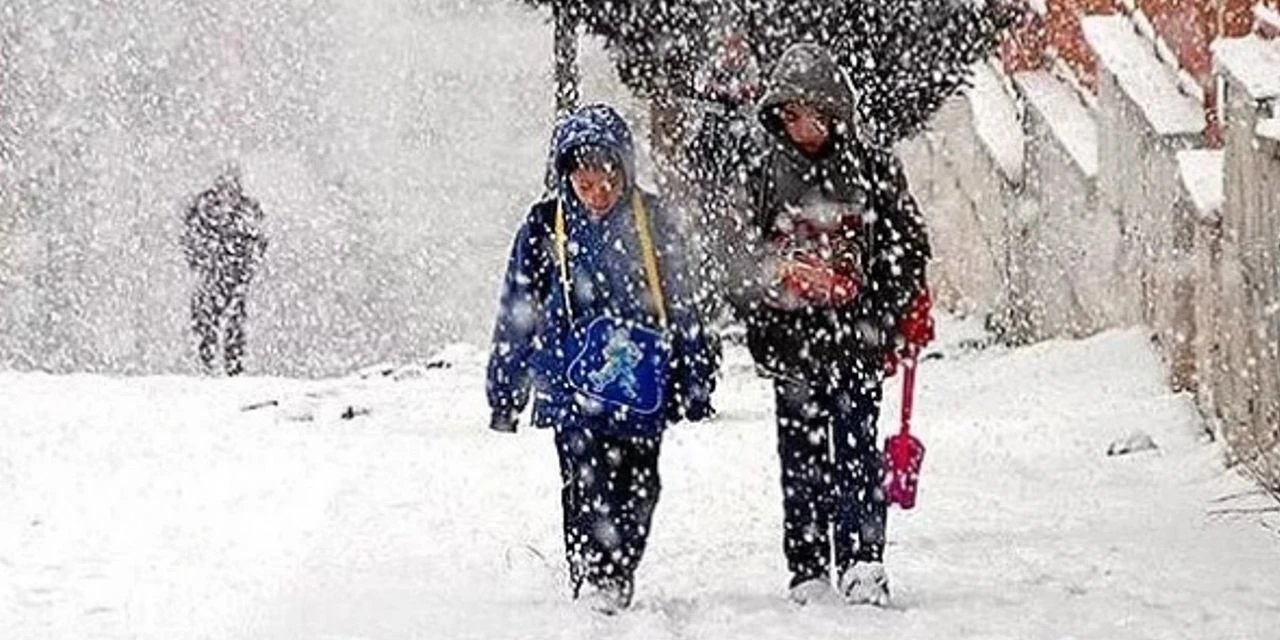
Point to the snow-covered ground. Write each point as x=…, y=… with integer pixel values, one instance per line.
x=161, y=508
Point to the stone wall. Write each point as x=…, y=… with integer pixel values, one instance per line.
x=966, y=174
x=1242, y=381
x=1107, y=211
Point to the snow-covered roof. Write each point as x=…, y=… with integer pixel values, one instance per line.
x=1067, y=117
x=995, y=119
x=1201, y=172
x=1149, y=83
x=1252, y=61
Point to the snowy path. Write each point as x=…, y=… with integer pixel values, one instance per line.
x=156, y=508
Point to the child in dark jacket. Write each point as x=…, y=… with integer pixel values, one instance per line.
x=832, y=289
x=596, y=323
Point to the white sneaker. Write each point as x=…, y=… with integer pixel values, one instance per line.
x=865, y=583
x=813, y=591
x=602, y=600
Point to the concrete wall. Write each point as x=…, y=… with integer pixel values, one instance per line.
x=1242, y=378
x=965, y=199
x=1066, y=244
x=1117, y=216
x=967, y=189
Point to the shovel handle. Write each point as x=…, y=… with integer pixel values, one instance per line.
x=908, y=387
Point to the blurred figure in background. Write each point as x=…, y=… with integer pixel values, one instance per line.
x=224, y=245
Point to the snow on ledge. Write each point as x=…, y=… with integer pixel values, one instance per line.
x=1253, y=62
x=1152, y=86
x=1267, y=17
x=1201, y=171
x=1068, y=119
x=1269, y=129
x=995, y=120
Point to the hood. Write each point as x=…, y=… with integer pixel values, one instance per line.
x=807, y=73
x=596, y=125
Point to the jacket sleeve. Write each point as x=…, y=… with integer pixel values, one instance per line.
x=696, y=348
x=748, y=264
x=900, y=251
x=194, y=235
x=519, y=312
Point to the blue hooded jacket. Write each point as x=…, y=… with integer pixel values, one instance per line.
x=607, y=278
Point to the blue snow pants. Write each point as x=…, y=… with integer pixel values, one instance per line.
x=610, y=489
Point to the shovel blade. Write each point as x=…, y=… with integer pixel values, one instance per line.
x=903, y=456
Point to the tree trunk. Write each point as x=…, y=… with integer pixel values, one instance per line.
x=566, y=54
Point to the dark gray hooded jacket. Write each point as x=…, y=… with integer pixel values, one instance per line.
x=849, y=341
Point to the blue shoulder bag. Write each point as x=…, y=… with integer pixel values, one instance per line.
x=622, y=364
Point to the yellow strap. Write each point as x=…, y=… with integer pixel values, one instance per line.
x=562, y=256
x=650, y=255
x=652, y=275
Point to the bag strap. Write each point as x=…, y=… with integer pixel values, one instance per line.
x=650, y=255
x=562, y=256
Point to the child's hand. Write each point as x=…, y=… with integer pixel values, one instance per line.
x=811, y=279
x=914, y=332
x=917, y=324
x=504, y=421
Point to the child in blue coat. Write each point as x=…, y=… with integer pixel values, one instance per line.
x=596, y=323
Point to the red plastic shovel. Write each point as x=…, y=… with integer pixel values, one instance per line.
x=903, y=452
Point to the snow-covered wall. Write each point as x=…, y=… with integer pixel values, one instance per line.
x=1120, y=218
x=965, y=172
x=1244, y=383
x=394, y=147
x=1067, y=245
x=1145, y=120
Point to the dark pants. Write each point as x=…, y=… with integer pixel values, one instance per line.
x=610, y=489
x=218, y=311
x=832, y=473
